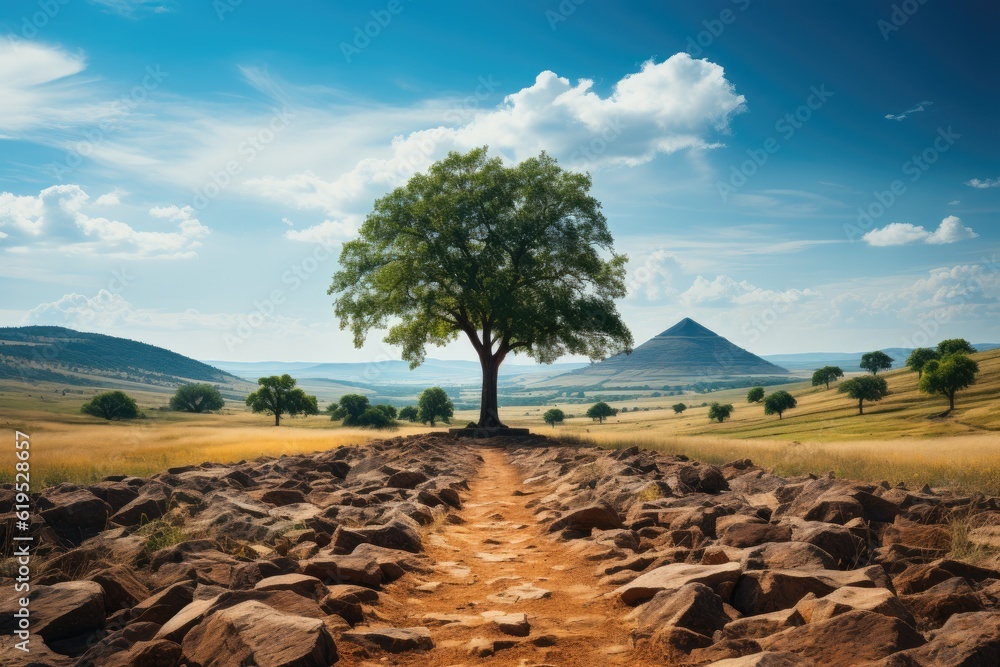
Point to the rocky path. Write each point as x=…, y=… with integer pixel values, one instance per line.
x=502, y=587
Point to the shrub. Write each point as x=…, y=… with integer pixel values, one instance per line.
x=111, y=405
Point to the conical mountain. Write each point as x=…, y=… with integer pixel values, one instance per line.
x=686, y=351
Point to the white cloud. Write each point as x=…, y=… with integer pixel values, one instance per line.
x=945, y=294
x=325, y=233
x=984, y=183
x=57, y=218
x=665, y=107
x=951, y=230
x=723, y=290
x=113, y=198
x=920, y=106
x=655, y=277
x=133, y=7
x=954, y=202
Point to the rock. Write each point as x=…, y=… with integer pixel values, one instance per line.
x=121, y=588
x=74, y=514
x=251, y=633
x=155, y=653
x=40, y=656
x=180, y=553
x=59, y=611
x=763, y=591
x=787, y=556
x=282, y=497
x=345, y=601
x=965, y=640
x=937, y=604
x=517, y=594
x=743, y=535
x=837, y=509
x=763, y=625
x=513, y=624
x=300, y=584
x=673, y=577
x=766, y=659
x=161, y=607
x=599, y=515
x=406, y=479
x=903, y=531
x=918, y=578
x=393, y=640
x=400, y=533
x=849, y=598
x=846, y=640
x=178, y=625
x=846, y=549
x=148, y=506
x=334, y=570
x=693, y=607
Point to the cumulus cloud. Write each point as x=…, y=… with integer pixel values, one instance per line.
x=654, y=278
x=325, y=233
x=982, y=184
x=663, y=108
x=951, y=230
x=920, y=106
x=113, y=198
x=945, y=294
x=723, y=290
x=57, y=218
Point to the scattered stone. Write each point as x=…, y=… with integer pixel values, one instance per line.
x=393, y=640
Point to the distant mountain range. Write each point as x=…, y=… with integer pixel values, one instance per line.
x=848, y=361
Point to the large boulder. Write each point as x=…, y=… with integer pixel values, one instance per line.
x=763, y=591
x=251, y=633
x=673, y=577
x=149, y=505
x=693, y=607
x=966, y=640
x=349, y=569
x=787, y=556
x=393, y=640
x=850, y=598
x=74, y=514
x=745, y=534
x=400, y=532
x=122, y=590
x=599, y=515
x=59, y=611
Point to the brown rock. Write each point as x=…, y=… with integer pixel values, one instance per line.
x=787, y=556
x=836, y=509
x=743, y=535
x=846, y=640
x=850, y=598
x=673, y=577
x=903, y=531
x=763, y=625
x=393, y=640
x=599, y=515
x=513, y=624
x=59, y=611
x=334, y=570
x=966, y=640
x=763, y=591
x=156, y=653
x=121, y=588
x=161, y=607
x=74, y=514
x=766, y=659
x=406, y=479
x=251, y=633
x=282, y=497
x=693, y=606
x=918, y=578
x=300, y=584
x=937, y=604
x=149, y=505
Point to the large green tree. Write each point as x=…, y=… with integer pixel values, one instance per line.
x=600, y=411
x=952, y=373
x=434, y=405
x=720, y=412
x=111, y=405
x=278, y=395
x=873, y=362
x=826, y=375
x=554, y=416
x=778, y=402
x=755, y=395
x=863, y=388
x=517, y=258
x=919, y=358
x=199, y=397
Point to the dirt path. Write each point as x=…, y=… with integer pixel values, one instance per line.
x=497, y=561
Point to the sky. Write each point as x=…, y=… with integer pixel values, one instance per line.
x=796, y=176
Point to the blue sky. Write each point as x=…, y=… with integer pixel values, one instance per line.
x=818, y=176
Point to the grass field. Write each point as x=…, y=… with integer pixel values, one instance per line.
x=903, y=438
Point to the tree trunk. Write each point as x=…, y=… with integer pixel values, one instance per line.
x=277, y=418
x=489, y=414
x=951, y=400
x=861, y=406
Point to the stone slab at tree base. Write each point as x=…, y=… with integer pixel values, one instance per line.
x=490, y=432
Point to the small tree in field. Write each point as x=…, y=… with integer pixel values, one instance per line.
x=952, y=373
x=518, y=259
x=918, y=360
x=349, y=409
x=409, y=413
x=873, y=362
x=111, y=405
x=863, y=388
x=679, y=408
x=826, y=375
x=720, y=412
x=435, y=405
x=778, y=402
x=755, y=395
x=200, y=397
x=600, y=411
x=955, y=346
x=554, y=416
x=277, y=395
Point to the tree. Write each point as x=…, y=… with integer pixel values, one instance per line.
x=778, y=402
x=873, y=362
x=826, y=375
x=679, y=408
x=719, y=412
x=374, y=417
x=349, y=409
x=865, y=388
x=952, y=373
x=918, y=359
x=554, y=416
x=517, y=258
x=953, y=345
x=434, y=404
x=278, y=396
x=409, y=413
x=199, y=397
x=388, y=410
x=111, y=405
x=755, y=395
x=600, y=411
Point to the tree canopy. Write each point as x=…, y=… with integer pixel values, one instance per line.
x=200, y=397
x=826, y=375
x=349, y=408
x=873, y=362
x=409, y=413
x=755, y=395
x=918, y=359
x=517, y=258
x=679, y=408
x=955, y=345
x=434, y=405
x=720, y=412
x=951, y=374
x=600, y=411
x=554, y=416
x=111, y=405
x=278, y=395
x=865, y=388
x=778, y=402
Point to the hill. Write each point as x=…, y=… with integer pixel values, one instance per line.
x=58, y=354
x=685, y=351
x=849, y=361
